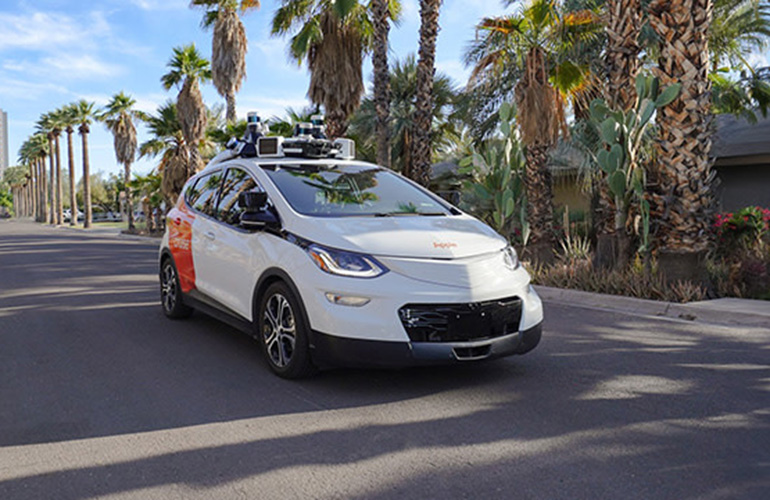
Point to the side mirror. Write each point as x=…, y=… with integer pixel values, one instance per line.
x=256, y=215
x=254, y=221
x=252, y=201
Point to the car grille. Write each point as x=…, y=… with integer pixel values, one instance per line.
x=461, y=322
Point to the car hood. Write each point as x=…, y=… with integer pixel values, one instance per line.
x=432, y=237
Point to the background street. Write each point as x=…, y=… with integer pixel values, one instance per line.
x=101, y=396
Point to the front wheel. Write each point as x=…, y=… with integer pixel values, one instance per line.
x=283, y=334
x=171, y=292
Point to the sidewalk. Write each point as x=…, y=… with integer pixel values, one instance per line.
x=728, y=311
x=95, y=230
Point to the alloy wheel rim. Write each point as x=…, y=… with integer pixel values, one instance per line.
x=168, y=288
x=279, y=330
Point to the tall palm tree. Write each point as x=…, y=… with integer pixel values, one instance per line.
x=56, y=125
x=422, y=149
x=32, y=153
x=543, y=38
x=682, y=201
x=45, y=126
x=381, y=18
x=622, y=61
x=332, y=37
x=119, y=116
x=66, y=119
x=403, y=83
x=189, y=69
x=84, y=113
x=167, y=141
x=229, y=46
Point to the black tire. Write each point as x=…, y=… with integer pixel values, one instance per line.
x=283, y=333
x=171, y=300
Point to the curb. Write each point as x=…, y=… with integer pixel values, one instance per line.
x=728, y=311
x=107, y=232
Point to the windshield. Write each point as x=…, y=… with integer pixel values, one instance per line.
x=351, y=190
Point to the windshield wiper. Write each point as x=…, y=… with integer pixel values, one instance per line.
x=405, y=214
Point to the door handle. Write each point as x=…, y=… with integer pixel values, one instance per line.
x=210, y=236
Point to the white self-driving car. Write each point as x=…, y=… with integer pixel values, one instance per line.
x=329, y=261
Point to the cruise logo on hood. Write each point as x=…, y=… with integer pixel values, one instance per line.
x=438, y=244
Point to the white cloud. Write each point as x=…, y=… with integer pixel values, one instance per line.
x=16, y=89
x=65, y=66
x=153, y=5
x=81, y=66
x=44, y=31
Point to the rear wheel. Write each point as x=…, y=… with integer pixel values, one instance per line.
x=171, y=292
x=283, y=333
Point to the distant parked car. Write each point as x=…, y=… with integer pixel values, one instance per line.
x=67, y=215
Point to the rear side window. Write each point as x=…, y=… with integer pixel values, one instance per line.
x=236, y=182
x=203, y=196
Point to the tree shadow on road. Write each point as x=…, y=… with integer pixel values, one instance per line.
x=608, y=402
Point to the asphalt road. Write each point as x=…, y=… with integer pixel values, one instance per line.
x=101, y=396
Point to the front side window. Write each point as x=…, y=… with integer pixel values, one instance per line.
x=203, y=196
x=236, y=182
x=351, y=190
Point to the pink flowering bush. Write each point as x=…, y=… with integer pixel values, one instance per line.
x=743, y=253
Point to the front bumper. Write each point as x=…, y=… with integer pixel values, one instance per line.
x=329, y=350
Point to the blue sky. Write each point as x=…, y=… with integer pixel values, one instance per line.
x=53, y=52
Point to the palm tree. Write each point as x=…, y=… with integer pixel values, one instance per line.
x=544, y=39
x=32, y=153
x=623, y=27
x=682, y=201
x=84, y=113
x=43, y=126
x=119, y=116
x=381, y=17
x=422, y=150
x=738, y=27
x=332, y=37
x=189, y=69
x=65, y=119
x=403, y=83
x=51, y=124
x=167, y=141
x=229, y=46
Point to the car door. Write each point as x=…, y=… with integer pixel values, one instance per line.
x=233, y=253
x=204, y=203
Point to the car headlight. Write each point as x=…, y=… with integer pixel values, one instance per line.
x=342, y=263
x=510, y=258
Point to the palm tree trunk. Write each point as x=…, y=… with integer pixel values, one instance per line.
x=129, y=205
x=682, y=200
x=52, y=190
x=381, y=22
x=86, y=179
x=421, y=146
x=232, y=116
x=538, y=184
x=33, y=190
x=59, y=187
x=73, y=192
x=43, y=190
x=624, y=22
